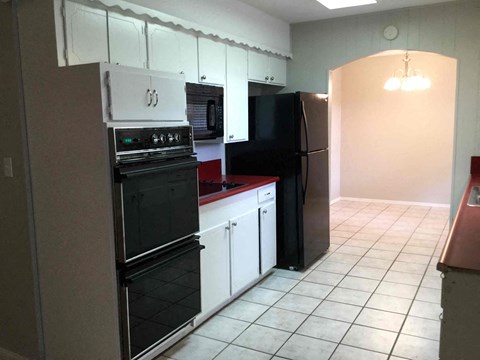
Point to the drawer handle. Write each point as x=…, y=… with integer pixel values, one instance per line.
x=267, y=194
x=150, y=97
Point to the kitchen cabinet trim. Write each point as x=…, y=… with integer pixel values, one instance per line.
x=164, y=19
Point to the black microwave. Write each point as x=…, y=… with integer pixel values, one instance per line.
x=205, y=110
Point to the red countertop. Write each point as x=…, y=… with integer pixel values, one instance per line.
x=251, y=182
x=462, y=250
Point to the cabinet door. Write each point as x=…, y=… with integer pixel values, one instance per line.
x=268, y=238
x=258, y=67
x=236, y=124
x=163, y=49
x=127, y=41
x=244, y=249
x=277, y=71
x=86, y=33
x=129, y=96
x=173, y=51
x=211, y=61
x=215, y=267
x=169, y=99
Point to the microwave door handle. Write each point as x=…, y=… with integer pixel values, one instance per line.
x=211, y=115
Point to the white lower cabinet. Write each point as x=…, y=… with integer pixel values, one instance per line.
x=215, y=267
x=244, y=253
x=268, y=238
x=237, y=239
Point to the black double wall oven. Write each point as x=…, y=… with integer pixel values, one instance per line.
x=156, y=216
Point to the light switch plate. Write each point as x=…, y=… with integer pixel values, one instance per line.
x=7, y=167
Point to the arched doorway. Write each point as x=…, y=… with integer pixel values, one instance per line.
x=395, y=146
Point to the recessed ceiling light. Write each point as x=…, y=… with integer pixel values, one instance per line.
x=338, y=4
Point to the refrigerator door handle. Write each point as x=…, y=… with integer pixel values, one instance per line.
x=305, y=122
x=305, y=187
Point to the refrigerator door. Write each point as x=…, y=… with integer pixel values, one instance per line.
x=316, y=206
x=271, y=151
x=313, y=116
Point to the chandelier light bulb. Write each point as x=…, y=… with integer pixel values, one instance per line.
x=407, y=79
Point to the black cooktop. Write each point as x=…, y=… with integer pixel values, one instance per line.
x=210, y=187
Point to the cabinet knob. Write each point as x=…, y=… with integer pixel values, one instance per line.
x=204, y=77
x=265, y=211
x=234, y=223
x=182, y=72
x=272, y=78
x=266, y=78
x=227, y=227
x=231, y=136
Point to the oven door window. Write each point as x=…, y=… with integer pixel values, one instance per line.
x=162, y=295
x=159, y=206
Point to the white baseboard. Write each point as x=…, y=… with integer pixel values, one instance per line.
x=335, y=200
x=8, y=355
x=394, y=202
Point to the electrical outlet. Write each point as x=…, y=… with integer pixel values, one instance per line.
x=7, y=167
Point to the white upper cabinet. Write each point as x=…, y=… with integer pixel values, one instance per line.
x=267, y=69
x=278, y=70
x=211, y=61
x=142, y=96
x=173, y=51
x=86, y=34
x=127, y=41
x=236, y=95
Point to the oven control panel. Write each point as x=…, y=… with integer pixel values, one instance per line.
x=152, y=139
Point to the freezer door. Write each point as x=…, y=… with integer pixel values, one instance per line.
x=316, y=206
x=313, y=117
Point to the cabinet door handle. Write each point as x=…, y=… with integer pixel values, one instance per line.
x=156, y=97
x=150, y=97
x=440, y=316
x=266, y=78
x=265, y=211
x=204, y=77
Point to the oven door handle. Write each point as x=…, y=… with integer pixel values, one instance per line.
x=154, y=263
x=145, y=169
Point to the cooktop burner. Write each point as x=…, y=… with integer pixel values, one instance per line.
x=210, y=187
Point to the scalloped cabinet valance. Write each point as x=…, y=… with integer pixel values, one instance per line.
x=155, y=16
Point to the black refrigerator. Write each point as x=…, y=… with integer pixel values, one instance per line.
x=288, y=138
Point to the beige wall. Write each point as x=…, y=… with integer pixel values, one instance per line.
x=19, y=328
x=449, y=29
x=397, y=145
x=335, y=122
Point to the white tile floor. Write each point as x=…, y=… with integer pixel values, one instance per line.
x=374, y=296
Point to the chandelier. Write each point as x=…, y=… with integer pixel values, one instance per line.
x=407, y=79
